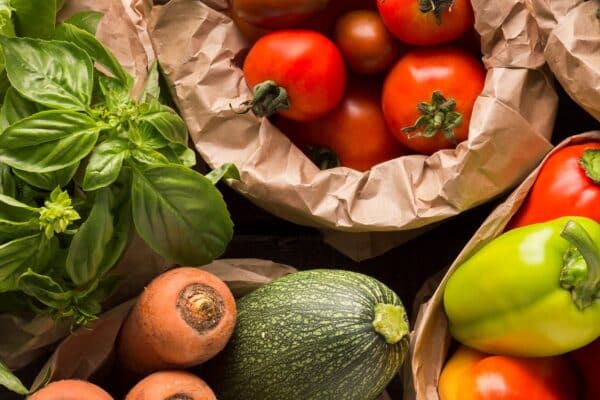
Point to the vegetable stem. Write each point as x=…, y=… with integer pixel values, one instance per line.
x=583, y=282
x=390, y=322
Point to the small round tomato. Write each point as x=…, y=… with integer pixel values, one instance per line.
x=299, y=73
x=426, y=22
x=365, y=43
x=355, y=131
x=277, y=14
x=251, y=32
x=428, y=97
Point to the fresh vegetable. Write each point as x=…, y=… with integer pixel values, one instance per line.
x=251, y=32
x=428, y=97
x=183, y=318
x=426, y=22
x=320, y=334
x=471, y=375
x=298, y=73
x=83, y=162
x=70, y=389
x=365, y=43
x=353, y=135
x=530, y=292
x=567, y=184
x=171, y=385
x=587, y=360
x=276, y=14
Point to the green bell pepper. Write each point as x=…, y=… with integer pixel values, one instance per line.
x=533, y=291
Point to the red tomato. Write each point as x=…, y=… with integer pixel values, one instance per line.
x=355, y=130
x=365, y=43
x=471, y=375
x=276, y=14
x=412, y=83
x=251, y=32
x=306, y=64
x=426, y=22
x=588, y=361
x=561, y=188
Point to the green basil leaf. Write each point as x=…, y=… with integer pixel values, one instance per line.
x=4, y=82
x=148, y=156
x=48, y=180
x=7, y=28
x=35, y=19
x=10, y=381
x=87, y=247
x=225, y=171
x=14, y=210
x=152, y=87
x=106, y=288
x=116, y=96
x=180, y=214
x=105, y=164
x=44, y=289
x=55, y=74
x=119, y=241
x=15, y=108
x=8, y=183
x=86, y=20
x=179, y=154
x=14, y=256
x=167, y=122
x=95, y=49
x=48, y=141
x=150, y=137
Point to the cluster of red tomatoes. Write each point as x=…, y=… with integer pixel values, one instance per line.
x=366, y=80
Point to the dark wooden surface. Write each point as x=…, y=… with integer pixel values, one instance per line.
x=404, y=269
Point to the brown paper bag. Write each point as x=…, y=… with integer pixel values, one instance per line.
x=430, y=338
x=571, y=36
x=123, y=30
x=198, y=46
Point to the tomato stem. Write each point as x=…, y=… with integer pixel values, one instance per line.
x=581, y=270
x=437, y=7
x=438, y=116
x=268, y=99
x=323, y=157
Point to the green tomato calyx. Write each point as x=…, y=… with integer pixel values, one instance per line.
x=437, y=116
x=57, y=213
x=581, y=268
x=437, y=7
x=268, y=99
x=390, y=322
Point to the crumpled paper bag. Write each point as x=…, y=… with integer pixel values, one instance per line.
x=571, y=38
x=124, y=31
x=430, y=338
x=362, y=214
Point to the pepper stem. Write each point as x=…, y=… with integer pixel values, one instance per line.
x=390, y=322
x=268, y=99
x=437, y=7
x=590, y=162
x=581, y=269
x=438, y=116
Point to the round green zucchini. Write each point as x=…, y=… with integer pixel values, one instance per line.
x=314, y=335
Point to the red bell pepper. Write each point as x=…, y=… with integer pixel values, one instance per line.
x=568, y=184
x=587, y=360
x=472, y=375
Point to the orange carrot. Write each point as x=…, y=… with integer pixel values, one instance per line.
x=183, y=318
x=171, y=385
x=70, y=389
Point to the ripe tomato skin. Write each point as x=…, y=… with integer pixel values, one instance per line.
x=364, y=41
x=478, y=376
x=277, y=14
x=587, y=360
x=409, y=24
x=251, y=32
x=420, y=72
x=306, y=63
x=561, y=188
x=355, y=130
